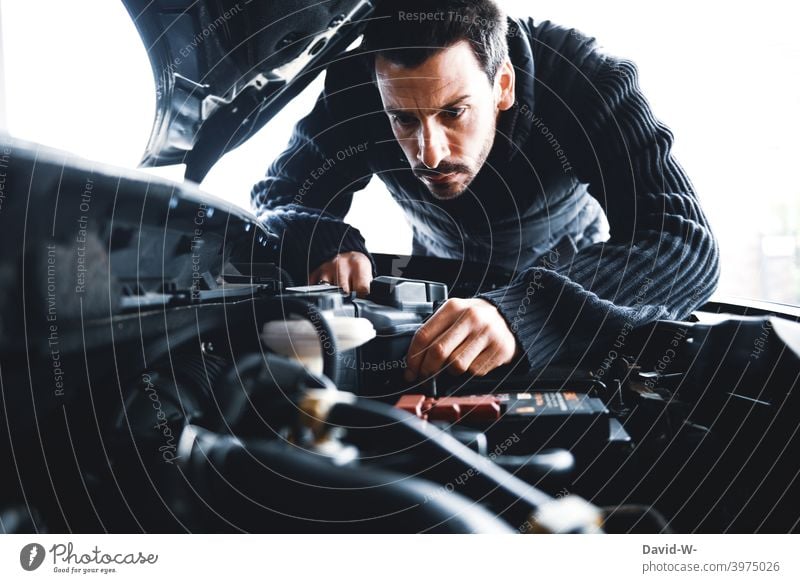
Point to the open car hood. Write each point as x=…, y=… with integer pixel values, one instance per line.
x=224, y=68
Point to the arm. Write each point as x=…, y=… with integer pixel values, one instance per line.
x=308, y=189
x=661, y=260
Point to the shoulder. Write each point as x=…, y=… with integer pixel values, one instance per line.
x=573, y=69
x=565, y=56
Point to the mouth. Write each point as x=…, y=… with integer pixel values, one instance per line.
x=445, y=182
x=439, y=178
x=443, y=186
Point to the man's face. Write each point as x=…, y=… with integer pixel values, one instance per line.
x=444, y=114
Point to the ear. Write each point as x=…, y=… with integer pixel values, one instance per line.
x=504, y=86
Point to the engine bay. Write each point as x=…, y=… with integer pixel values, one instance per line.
x=161, y=373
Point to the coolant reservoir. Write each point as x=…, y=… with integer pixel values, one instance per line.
x=297, y=338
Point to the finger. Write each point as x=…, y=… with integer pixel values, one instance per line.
x=465, y=354
x=485, y=362
x=422, y=338
x=343, y=275
x=442, y=348
x=325, y=272
x=315, y=276
x=425, y=335
x=360, y=279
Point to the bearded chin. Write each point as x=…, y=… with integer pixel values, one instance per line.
x=450, y=191
x=457, y=190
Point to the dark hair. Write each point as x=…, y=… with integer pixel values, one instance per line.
x=409, y=32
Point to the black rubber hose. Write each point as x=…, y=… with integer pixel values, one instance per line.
x=549, y=469
x=272, y=486
x=439, y=457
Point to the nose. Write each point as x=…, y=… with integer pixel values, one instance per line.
x=432, y=146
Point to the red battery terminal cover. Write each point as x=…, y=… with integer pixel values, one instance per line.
x=452, y=409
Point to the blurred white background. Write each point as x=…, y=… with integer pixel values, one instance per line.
x=725, y=77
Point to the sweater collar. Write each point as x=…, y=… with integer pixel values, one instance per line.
x=514, y=125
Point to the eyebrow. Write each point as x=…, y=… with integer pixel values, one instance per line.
x=441, y=108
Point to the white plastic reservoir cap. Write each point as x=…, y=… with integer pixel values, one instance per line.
x=296, y=338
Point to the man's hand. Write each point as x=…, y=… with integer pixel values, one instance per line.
x=462, y=336
x=350, y=271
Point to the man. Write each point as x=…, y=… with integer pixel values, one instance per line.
x=508, y=142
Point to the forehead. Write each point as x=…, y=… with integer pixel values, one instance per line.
x=447, y=74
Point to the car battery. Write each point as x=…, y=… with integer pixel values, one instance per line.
x=519, y=423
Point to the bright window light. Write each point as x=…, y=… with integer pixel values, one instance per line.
x=725, y=78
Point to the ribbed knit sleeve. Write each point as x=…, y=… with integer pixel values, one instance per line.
x=309, y=188
x=661, y=260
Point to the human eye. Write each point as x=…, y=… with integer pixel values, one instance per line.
x=403, y=119
x=454, y=112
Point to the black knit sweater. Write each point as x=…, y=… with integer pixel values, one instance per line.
x=580, y=133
